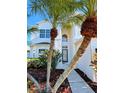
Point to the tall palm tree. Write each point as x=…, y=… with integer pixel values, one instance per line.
x=89, y=31
x=54, y=10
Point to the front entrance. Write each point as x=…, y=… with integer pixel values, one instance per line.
x=64, y=54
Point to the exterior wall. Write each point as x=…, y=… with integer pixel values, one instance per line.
x=35, y=49
x=35, y=36
x=58, y=40
x=36, y=40
x=68, y=32
x=45, y=25
x=74, y=41
x=74, y=38
x=85, y=61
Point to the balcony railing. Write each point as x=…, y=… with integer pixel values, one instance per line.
x=40, y=40
x=47, y=40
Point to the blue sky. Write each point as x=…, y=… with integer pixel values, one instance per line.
x=32, y=20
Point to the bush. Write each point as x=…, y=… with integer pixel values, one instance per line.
x=35, y=63
x=41, y=62
x=55, y=58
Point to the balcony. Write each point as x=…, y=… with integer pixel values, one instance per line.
x=40, y=41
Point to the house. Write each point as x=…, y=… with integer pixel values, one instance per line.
x=67, y=42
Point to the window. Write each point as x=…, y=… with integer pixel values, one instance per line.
x=44, y=33
x=47, y=33
x=64, y=38
x=65, y=47
x=41, y=51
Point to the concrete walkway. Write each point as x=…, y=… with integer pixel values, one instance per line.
x=62, y=65
x=78, y=85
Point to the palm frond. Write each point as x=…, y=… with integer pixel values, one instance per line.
x=32, y=29
x=54, y=10
x=71, y=20
x=89, y=7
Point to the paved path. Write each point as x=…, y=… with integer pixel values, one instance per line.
x=78, y=85
x=62, y=65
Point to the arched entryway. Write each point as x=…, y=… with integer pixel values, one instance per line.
x=64, y=38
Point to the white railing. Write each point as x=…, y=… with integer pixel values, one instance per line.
x=47, y=40
x=40, y=40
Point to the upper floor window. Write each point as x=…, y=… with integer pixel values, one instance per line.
x=47, y=33
x=64, y=38
x=44, y=33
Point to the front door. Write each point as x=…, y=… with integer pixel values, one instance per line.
x=64, y=55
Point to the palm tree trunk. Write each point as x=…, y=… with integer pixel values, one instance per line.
x=49, y=65
x=34, y=81
x=53, y=35
x=73, y=63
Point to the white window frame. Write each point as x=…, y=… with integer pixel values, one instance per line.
x=45, y=33
x=64, y=48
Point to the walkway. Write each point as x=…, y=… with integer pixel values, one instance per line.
x=62, y=65
x=78, y=85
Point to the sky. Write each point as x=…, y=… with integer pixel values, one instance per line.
x=33, y=19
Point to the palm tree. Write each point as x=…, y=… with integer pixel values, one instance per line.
x=54, y=10
x=89, y=31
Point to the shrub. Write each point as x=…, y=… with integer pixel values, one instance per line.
x=36, y=63
x=41, y=62
x=55, y=58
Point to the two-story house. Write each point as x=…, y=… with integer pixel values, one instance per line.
x=67, y=41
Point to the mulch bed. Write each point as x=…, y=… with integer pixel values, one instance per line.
x=40, y=76
x=92, y=84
